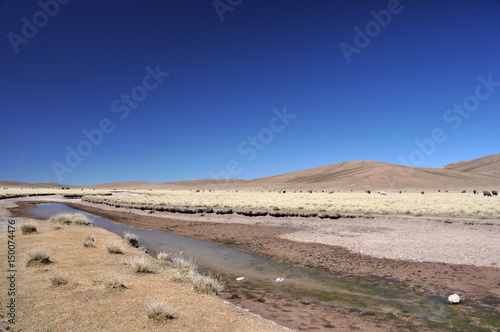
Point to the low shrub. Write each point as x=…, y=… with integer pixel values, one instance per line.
x=59, y=279
x=140, y=264
x=37, y=256
x=29, y=228
x=71, y=219
x=206, y=284
x=160, y=311
x=114, y=282
x=162, y=256
x=114, y=249
x=186, y=264
x=89, y=241
x=131, y=239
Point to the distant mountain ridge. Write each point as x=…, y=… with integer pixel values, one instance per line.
x=481, y=174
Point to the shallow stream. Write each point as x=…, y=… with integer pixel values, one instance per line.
x=299, y=282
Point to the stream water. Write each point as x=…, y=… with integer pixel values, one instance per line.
x=299, y=282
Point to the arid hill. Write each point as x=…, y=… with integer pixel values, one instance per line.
x=489, y=165
x=481, y=174
x=359, y=175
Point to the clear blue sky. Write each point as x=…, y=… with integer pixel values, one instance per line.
x=72, y=66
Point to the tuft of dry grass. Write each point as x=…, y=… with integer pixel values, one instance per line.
x=131, y=239
x=37, y=256
x=89, y=241
x=29, y=228
x=114, y=282
x=162, y=256
x=185, y=264
x=206, y=284
x=71, y=219
x=114, y=249
x=59, y=279
x=140, y=264
x=160, y=311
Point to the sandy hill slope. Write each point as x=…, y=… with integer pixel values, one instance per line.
x=481, y=174
x=373, y=175
x=489, y=165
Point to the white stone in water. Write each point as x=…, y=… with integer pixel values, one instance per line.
x=453, y=299
x=280, y=279
x=240, y=278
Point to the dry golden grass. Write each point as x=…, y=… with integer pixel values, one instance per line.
x=131, y=239
x=160, y=311
x=71, y=219
x=28, y=228
x=452, y=204
x=114, y=249
x=18, y=192
x=206, y=284
x=59, y=279
x=90, y=302
x=37, y=256
x=140, y=264
x=89, y=241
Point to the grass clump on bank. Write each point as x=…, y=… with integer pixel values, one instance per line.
x=29, y=228
x=114, y=282
x=37, y=256
x=114, y=249
x=59, y=279
x=140, y=264
x=71, y=219
x=162, y=256
x=131, y=239
x=89, y=241
x=206, y=284
x=160, y=311
x=184, y=264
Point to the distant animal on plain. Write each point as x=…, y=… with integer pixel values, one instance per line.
x=331, y=191
x=475, y=191
x=422, y=192
x=494, y=192
x=383, y=193
x=464, y=191
x=368, y=191
x=486, y=193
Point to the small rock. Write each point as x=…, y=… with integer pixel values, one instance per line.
x=240, y=279
x=280, y=279
x=453, y=299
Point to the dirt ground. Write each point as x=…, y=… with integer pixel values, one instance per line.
x=430, y=255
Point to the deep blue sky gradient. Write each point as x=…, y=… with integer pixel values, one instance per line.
x=226, y=77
